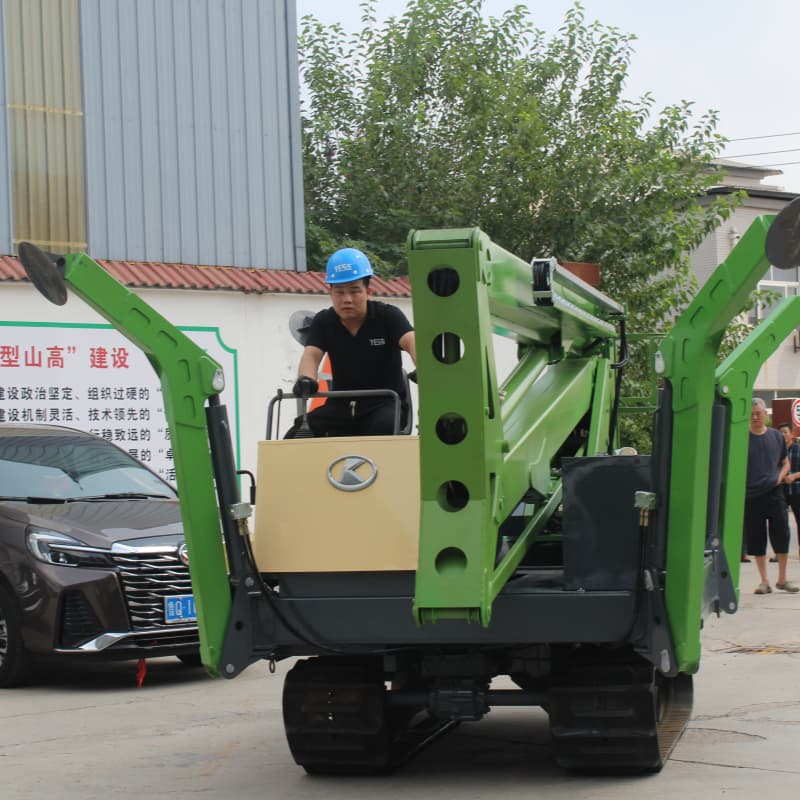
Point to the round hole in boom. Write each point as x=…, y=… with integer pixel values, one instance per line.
x=453, y=496
x=451, y=561
x=443, y=281
x=448, y=348
x=451, y=428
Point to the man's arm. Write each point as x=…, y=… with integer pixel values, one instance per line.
x=794, y=466
x=784, y=470
x=408, y=343
x=306, y=383
x=309, y=362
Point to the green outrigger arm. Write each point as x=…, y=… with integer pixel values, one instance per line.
x=485, y=448
x=188, y=377
x=735, y=380
x=686, y=360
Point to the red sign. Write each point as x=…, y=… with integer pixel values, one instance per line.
x=796, y=413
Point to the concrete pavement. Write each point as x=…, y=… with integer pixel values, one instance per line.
x=91, y=733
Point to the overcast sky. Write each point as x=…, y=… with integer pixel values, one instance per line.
x=739, y=57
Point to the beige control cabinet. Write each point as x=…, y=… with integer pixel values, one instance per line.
x=337, y=504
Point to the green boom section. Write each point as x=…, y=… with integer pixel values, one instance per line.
x=486, y=448
x=735, y=381
x=188, y=377
x=687, y=360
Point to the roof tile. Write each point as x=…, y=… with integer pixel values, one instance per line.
x=240, y=279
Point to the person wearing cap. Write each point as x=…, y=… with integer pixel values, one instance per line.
x=364, y=340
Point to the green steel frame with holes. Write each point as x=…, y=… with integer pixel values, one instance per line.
x=485, y=447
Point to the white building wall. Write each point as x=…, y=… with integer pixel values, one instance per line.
x=256, y=326
x=781, y=373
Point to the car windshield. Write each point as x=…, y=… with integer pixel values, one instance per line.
x=58, y=467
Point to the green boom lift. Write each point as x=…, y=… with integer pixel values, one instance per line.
x=514, y=541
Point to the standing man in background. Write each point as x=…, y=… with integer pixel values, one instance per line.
x=764, y=505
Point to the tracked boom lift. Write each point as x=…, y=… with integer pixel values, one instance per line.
x=507, y=539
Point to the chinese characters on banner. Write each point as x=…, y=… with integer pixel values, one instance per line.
x=93, y=378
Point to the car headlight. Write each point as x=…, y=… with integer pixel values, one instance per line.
x=58, y=548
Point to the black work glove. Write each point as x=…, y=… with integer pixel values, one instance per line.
x=304, y=387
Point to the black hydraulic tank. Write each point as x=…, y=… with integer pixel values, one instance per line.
x=602, y=536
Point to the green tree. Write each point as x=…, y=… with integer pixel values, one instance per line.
x=442, y=117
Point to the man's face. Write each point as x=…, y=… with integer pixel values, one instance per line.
x=758, y=417
x=350, y=300
x=787, y=436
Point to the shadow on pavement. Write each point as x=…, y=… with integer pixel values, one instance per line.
x=82, y=675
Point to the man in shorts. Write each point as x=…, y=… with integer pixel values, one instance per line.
x=765, y=506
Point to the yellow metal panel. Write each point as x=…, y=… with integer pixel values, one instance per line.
x=304, y=524
x=46, y=123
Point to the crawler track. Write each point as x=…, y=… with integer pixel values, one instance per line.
x=617, y=716
x=338, y=720
x=609, y=713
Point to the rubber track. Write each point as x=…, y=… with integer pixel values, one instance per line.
x=618, y=718
x=338, y=722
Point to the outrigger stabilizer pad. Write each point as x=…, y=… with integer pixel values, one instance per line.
x=45, y=272
x=783, y=237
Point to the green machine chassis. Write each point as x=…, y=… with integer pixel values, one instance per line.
x=582, y=575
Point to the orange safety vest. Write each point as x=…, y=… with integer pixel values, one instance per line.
x=324, y=378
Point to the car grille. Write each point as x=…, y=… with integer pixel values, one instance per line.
x=148, y=578
x=165, y=638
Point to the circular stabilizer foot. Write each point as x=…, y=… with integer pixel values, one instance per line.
x=783, y=238
x=299, y=323
x=43, y=273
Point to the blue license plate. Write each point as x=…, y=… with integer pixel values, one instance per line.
x=179, y=608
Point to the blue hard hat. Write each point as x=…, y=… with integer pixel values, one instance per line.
x=347, y=265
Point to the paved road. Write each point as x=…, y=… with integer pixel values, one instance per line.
x=91, y=733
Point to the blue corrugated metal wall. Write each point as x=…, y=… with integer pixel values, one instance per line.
x=5, y=176
x=192, y=131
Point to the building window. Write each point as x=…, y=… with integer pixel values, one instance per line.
x=45, y=115
x=782, y=275
x=773, y=292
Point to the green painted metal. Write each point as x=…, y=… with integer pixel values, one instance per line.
x=188, y=377
x=600, y=420
x=735, y=381
x=687, y=359
x=484, y=447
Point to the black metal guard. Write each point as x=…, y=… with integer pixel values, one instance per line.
x=237, y=649
x=352, y=394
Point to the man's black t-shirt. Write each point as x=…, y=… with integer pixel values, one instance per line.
x=372, y=359
x=764, y=458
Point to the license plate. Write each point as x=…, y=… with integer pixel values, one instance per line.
x=179, y=608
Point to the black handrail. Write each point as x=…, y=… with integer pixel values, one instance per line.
x=353, y=393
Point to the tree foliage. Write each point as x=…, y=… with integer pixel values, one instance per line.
x=442, y=117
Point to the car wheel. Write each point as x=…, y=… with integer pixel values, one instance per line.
x=13, y=658
x=190, y=659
